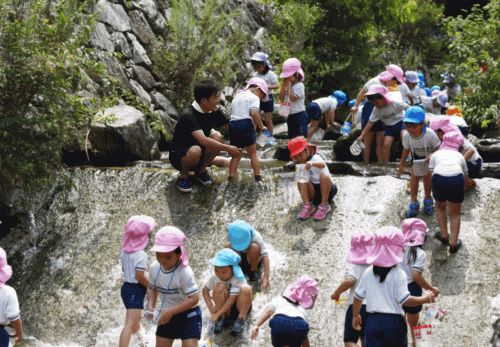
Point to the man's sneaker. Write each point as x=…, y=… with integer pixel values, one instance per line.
x=237, y=328
x=307, y=210
x=185, y=185
x=219, y=325
x=321, y=212
x=204, y=178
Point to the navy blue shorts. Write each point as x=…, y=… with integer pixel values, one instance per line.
x=464, y=130
x=350, y=334
x=415, y=290
x=313, y=111
x=394, y=130
x=297, y=124
x=448, y=188
x=288, y=331
x=365, y=117
x=133, y=295
x=474, y=168
x=383, y=329
x=317, y=194
x=4, y=337
x=242, y=133
x=185, y=325
x=175, y=157
x=267, y=106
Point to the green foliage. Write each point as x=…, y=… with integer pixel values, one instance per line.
x=471, y=41
x=200, y=43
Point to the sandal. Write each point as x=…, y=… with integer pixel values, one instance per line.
x=428, y=210
x=444, y=241
x=413, y=211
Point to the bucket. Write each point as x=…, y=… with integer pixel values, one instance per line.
x=346, y=128
x=423, y=335
x=263, y=138
x=356, y=148
x=318, y=135
x=301, y=175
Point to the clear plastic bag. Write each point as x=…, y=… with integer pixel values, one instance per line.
x=284, y=109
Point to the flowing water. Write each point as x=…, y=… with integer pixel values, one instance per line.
x=67, y=261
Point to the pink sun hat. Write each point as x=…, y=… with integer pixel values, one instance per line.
x=392, y=70
x=5, y=269
x=442, y=123
x=259, y=82
x=362, y=242
x=452, y=141
x=168, y=239
x=291, y=66
x=388, y=249
x=382, y=90
x=414, y=230
x=137, y=232
x=304, y=291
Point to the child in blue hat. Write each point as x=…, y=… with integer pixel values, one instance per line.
x=324, y=108
x=249, y=245
x=231, y=295
x=421, y=142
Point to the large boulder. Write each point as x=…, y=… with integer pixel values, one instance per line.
x=489, y=149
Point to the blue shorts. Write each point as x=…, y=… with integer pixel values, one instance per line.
x=415, y=290
x=317, y=194
x=297, y=124
x=288, y=331
x=133, y=295
x=474, y=168
x=383, y=329
x=267, y=106
x=394, y=130
x=242, y=133
x=4, y=337
x=365, y=117
x=313, y=111
x=185, y=325
x=350, y=334
x=175, y=157
x=448, y=188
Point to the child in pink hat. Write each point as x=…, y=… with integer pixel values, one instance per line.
x=383, y=287
x=172, y=279
x=293, y=91
x=134, y=264
x=362, y=243
x=9, y=305
x=413, y=264
x=290, y=322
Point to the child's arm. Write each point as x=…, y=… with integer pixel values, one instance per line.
x=17, y=325
x=306, y=342
x=167, y=314
x=256, y=119
x=420, y=280
x=402, y=162
x=265, y=316
x=318, y=165
x=345, y=285
x=140, y=276
x=329, y=116
x=420, y=300
x=356, y=318
x=284, y=87
x=467, y=154
x=359, y=98
x=265, y=279
x=273, y=87
x=412, y=102
x=367, y=128
x=225, y=308
x=208, y=300
x=152, y=299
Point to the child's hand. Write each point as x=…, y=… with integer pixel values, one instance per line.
x=214, y=317
x=165, y=317
x=335, y=296
x=354, y=109
x=308, y=166
x=356, y=322
x=435, y=291
x=432, y=295
x=265, y=283
x=255, y=332
x=234, y=151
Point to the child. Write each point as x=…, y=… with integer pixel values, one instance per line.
x=290, y=322
x=434, y=104
x=449, y=175
x=474, y=161
x=320, y=189
x=421, y=142
x=134, y=264
x=262, y=67
x=412, y=81
x=362, y=243
x=324, y=108
x=390, y=112
x=229, y=288
x=173, y=278
x=249, y=245
x=413, y=265
x=452, y=88
x=292, y=86
x=9, y=305
x=384, y=289
x=245, y=108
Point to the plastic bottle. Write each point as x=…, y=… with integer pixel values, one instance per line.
x=346, y=128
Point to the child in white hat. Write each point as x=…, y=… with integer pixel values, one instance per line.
x=9, y=305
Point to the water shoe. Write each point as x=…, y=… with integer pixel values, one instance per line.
x=307, y=210
x=321, y=212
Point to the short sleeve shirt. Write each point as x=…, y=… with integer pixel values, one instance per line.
x=132, y=262
x=448, y=163
x=468, y=145
x=281, y=306
x=390, y=114
x=9, y=305
x=354, y=272
x=416, y=93
x=423, y=145
x=372, y=82
x=417, y=264
x=299, y=90
x=270, y=78
x=429, y=106
x=326, y=104
x=243, y=104
x=192, y=120
x=452, y=92
x=232, y=285
x=314, y=172
x=405, y=92
x=177, y=284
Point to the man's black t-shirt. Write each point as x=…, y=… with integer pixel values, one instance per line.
x=193, y=120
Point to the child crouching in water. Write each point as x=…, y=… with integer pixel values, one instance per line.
x=134, y=264
x=320, y=189
x=290, y=322
x=362, y=243
x=232, y=296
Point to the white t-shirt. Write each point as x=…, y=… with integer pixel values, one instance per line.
x=416, y=92
x=458, y=121
x=404, y=90
x=299, y=90
x=355, y=272
x=448, y=163
x=468, y=145
x=181, y=280
x=389, y=114
x=314, y=172
x=422, y=146
x=242, y=104
x=429, y=106
x=372, y=82
x=386, y=297
x=9, y=305
x=281, y=306
x=417, y=264
x=270, y=78
x=452, y=92
x=326, y=104
x=232, y=285
x=132, y=262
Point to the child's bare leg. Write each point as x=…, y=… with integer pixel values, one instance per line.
x=412, y=322
x=351, y=344
x=190, y=343
x=233, y=166
x=220, y=296
x=268, y=119
x=304, y=192
x=379, y=145
x=442, y=218
x=244, y=302
x=163, y=342
x=325, y=183
x=132, y=326
x=253, y=256
x=454, y=222
x=368, y=140
x=414, y=186
x=313, y=126
x=427, y=186
x=254, y=159
x=386, y=148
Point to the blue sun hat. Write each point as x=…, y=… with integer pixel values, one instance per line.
x=240, y=235
x=415, y=114
x=352, y=102
x=228, y=257
x=435, y=88
x=421, y=77
x=340, y=96
x=428, y=91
